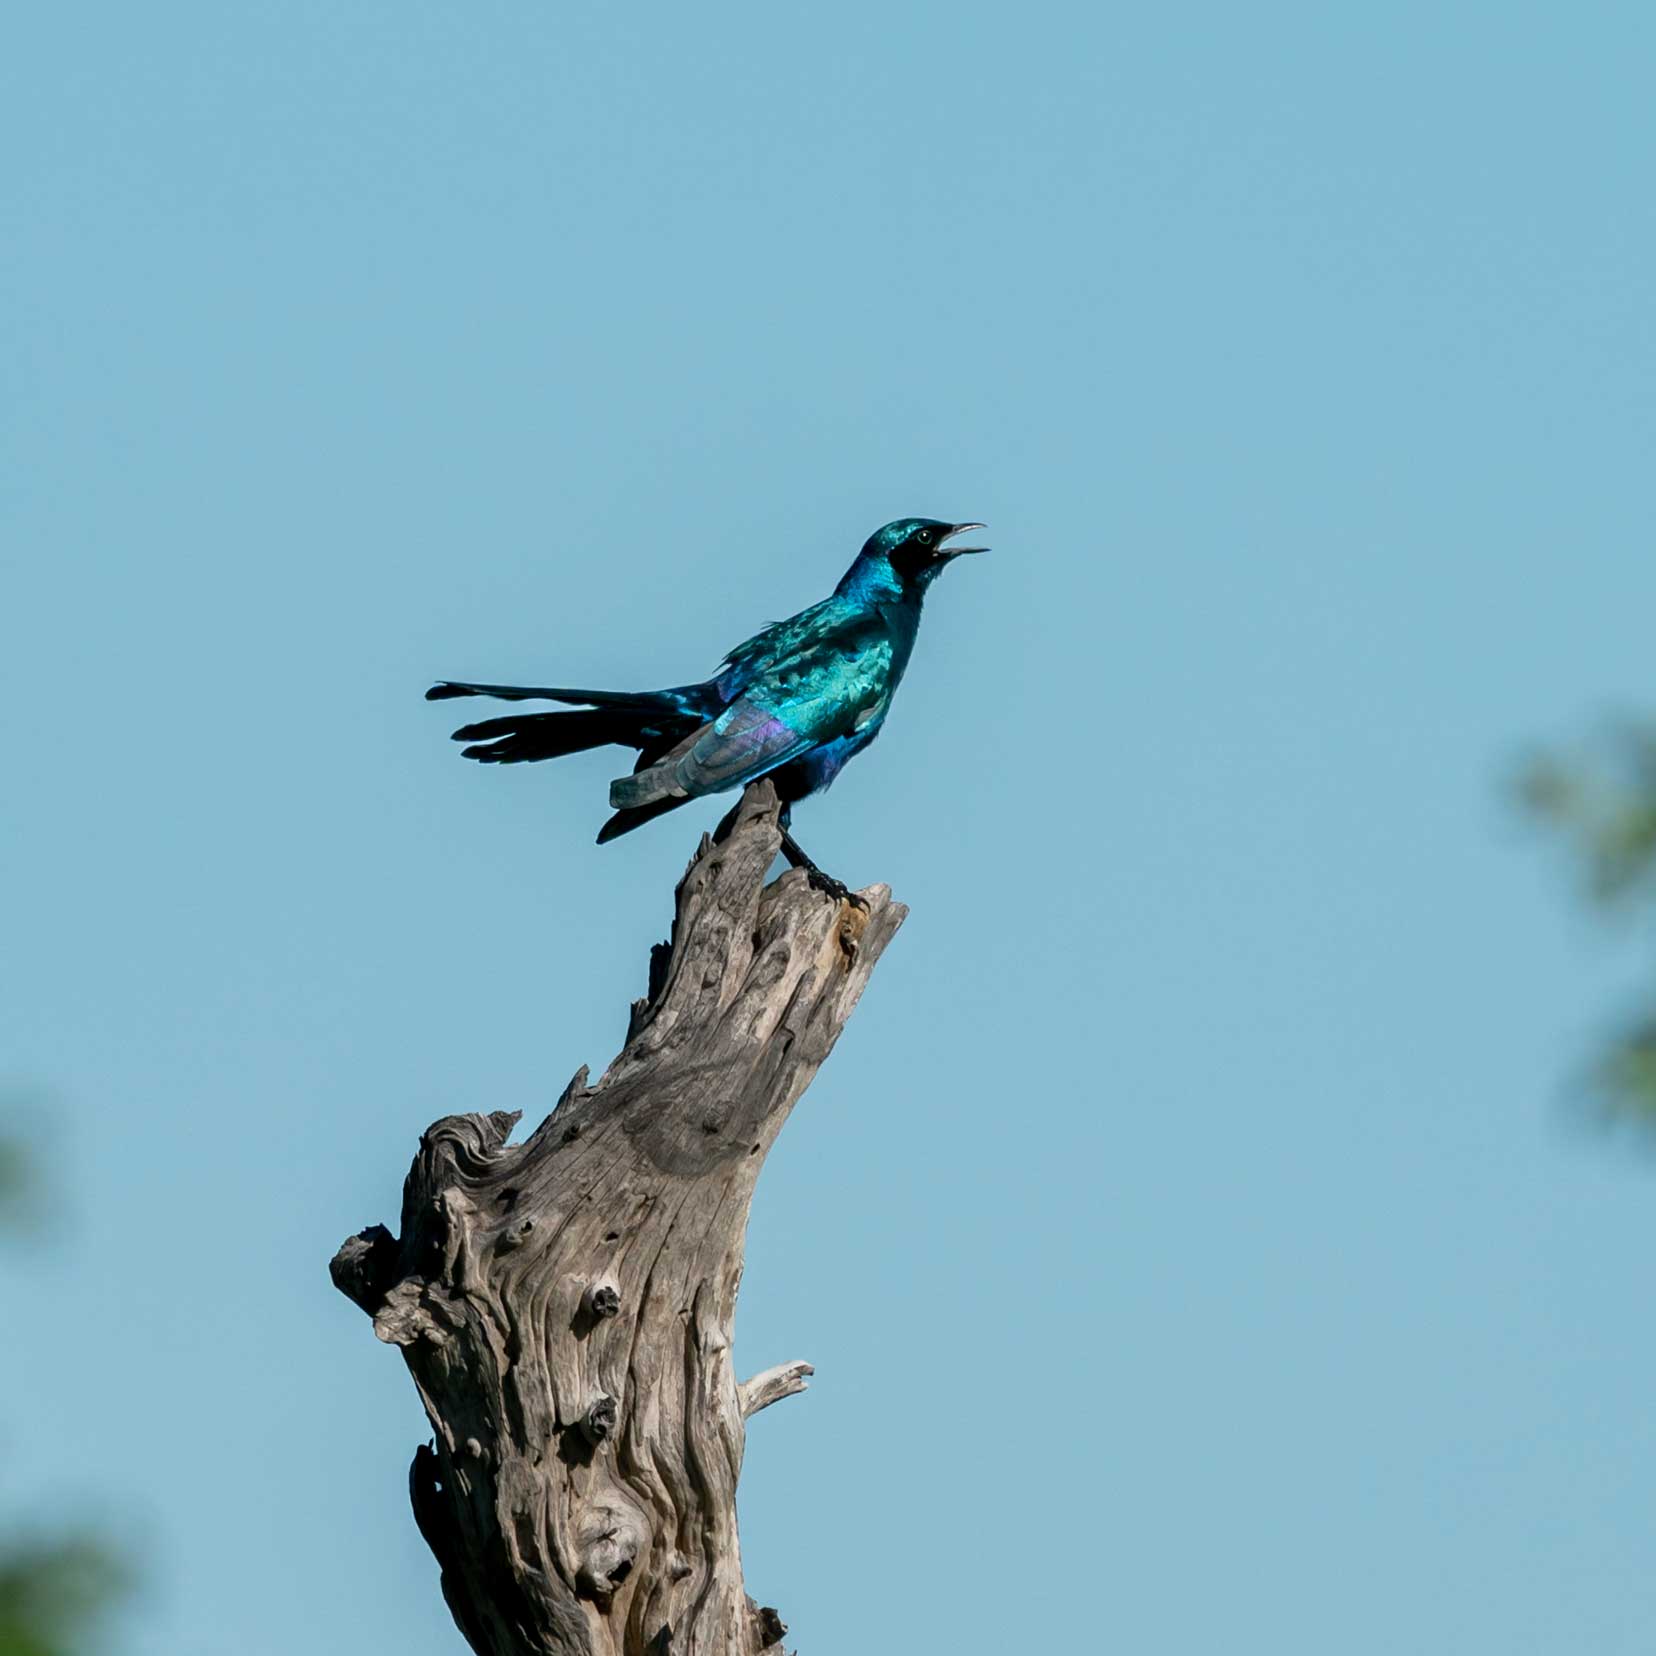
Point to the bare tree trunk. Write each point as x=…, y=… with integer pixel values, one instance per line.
x=565, y=1305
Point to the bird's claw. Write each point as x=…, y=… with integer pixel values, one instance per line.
x=837, y=889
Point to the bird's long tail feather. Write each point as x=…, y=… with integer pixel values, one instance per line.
x=656, y=722
x=520, y=737
x=623, y=822
x=699, y=699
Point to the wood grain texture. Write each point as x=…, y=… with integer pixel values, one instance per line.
x=565, y=1305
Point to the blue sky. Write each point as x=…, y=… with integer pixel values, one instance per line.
x=1185, y=1232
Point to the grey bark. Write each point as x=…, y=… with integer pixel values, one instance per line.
x=565, y=1306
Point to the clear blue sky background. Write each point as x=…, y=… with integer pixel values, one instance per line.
x=1185, y=1230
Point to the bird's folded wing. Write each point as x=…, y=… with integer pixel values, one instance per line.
x=815, y=696
x=744, y=742
x=812, y=698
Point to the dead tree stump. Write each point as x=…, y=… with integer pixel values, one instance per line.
x=565, y=1305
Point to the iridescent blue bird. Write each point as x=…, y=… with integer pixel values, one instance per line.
x=793, y=703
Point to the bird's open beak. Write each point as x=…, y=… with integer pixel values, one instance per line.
x=957, y=551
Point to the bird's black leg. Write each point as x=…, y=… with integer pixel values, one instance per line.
x=797, y=858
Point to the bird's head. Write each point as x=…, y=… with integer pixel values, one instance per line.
x=905, y=557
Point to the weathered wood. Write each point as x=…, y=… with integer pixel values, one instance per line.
x=565, y=1306
x=785, y=1380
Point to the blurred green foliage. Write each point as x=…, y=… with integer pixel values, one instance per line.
x=53, y=1592
x=1602, y=799
x=53, y=1589
x=14, y=1180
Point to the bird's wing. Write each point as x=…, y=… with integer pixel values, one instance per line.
x=807, y=697
x=836, y=684
x=744, y=742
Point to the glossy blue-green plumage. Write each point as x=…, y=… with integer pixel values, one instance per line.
x=794, y=702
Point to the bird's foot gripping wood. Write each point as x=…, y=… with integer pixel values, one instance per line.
x=830, y=887
x=566, y=1305
x=815, y=877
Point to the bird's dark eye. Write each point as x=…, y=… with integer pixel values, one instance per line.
x=924, y=537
